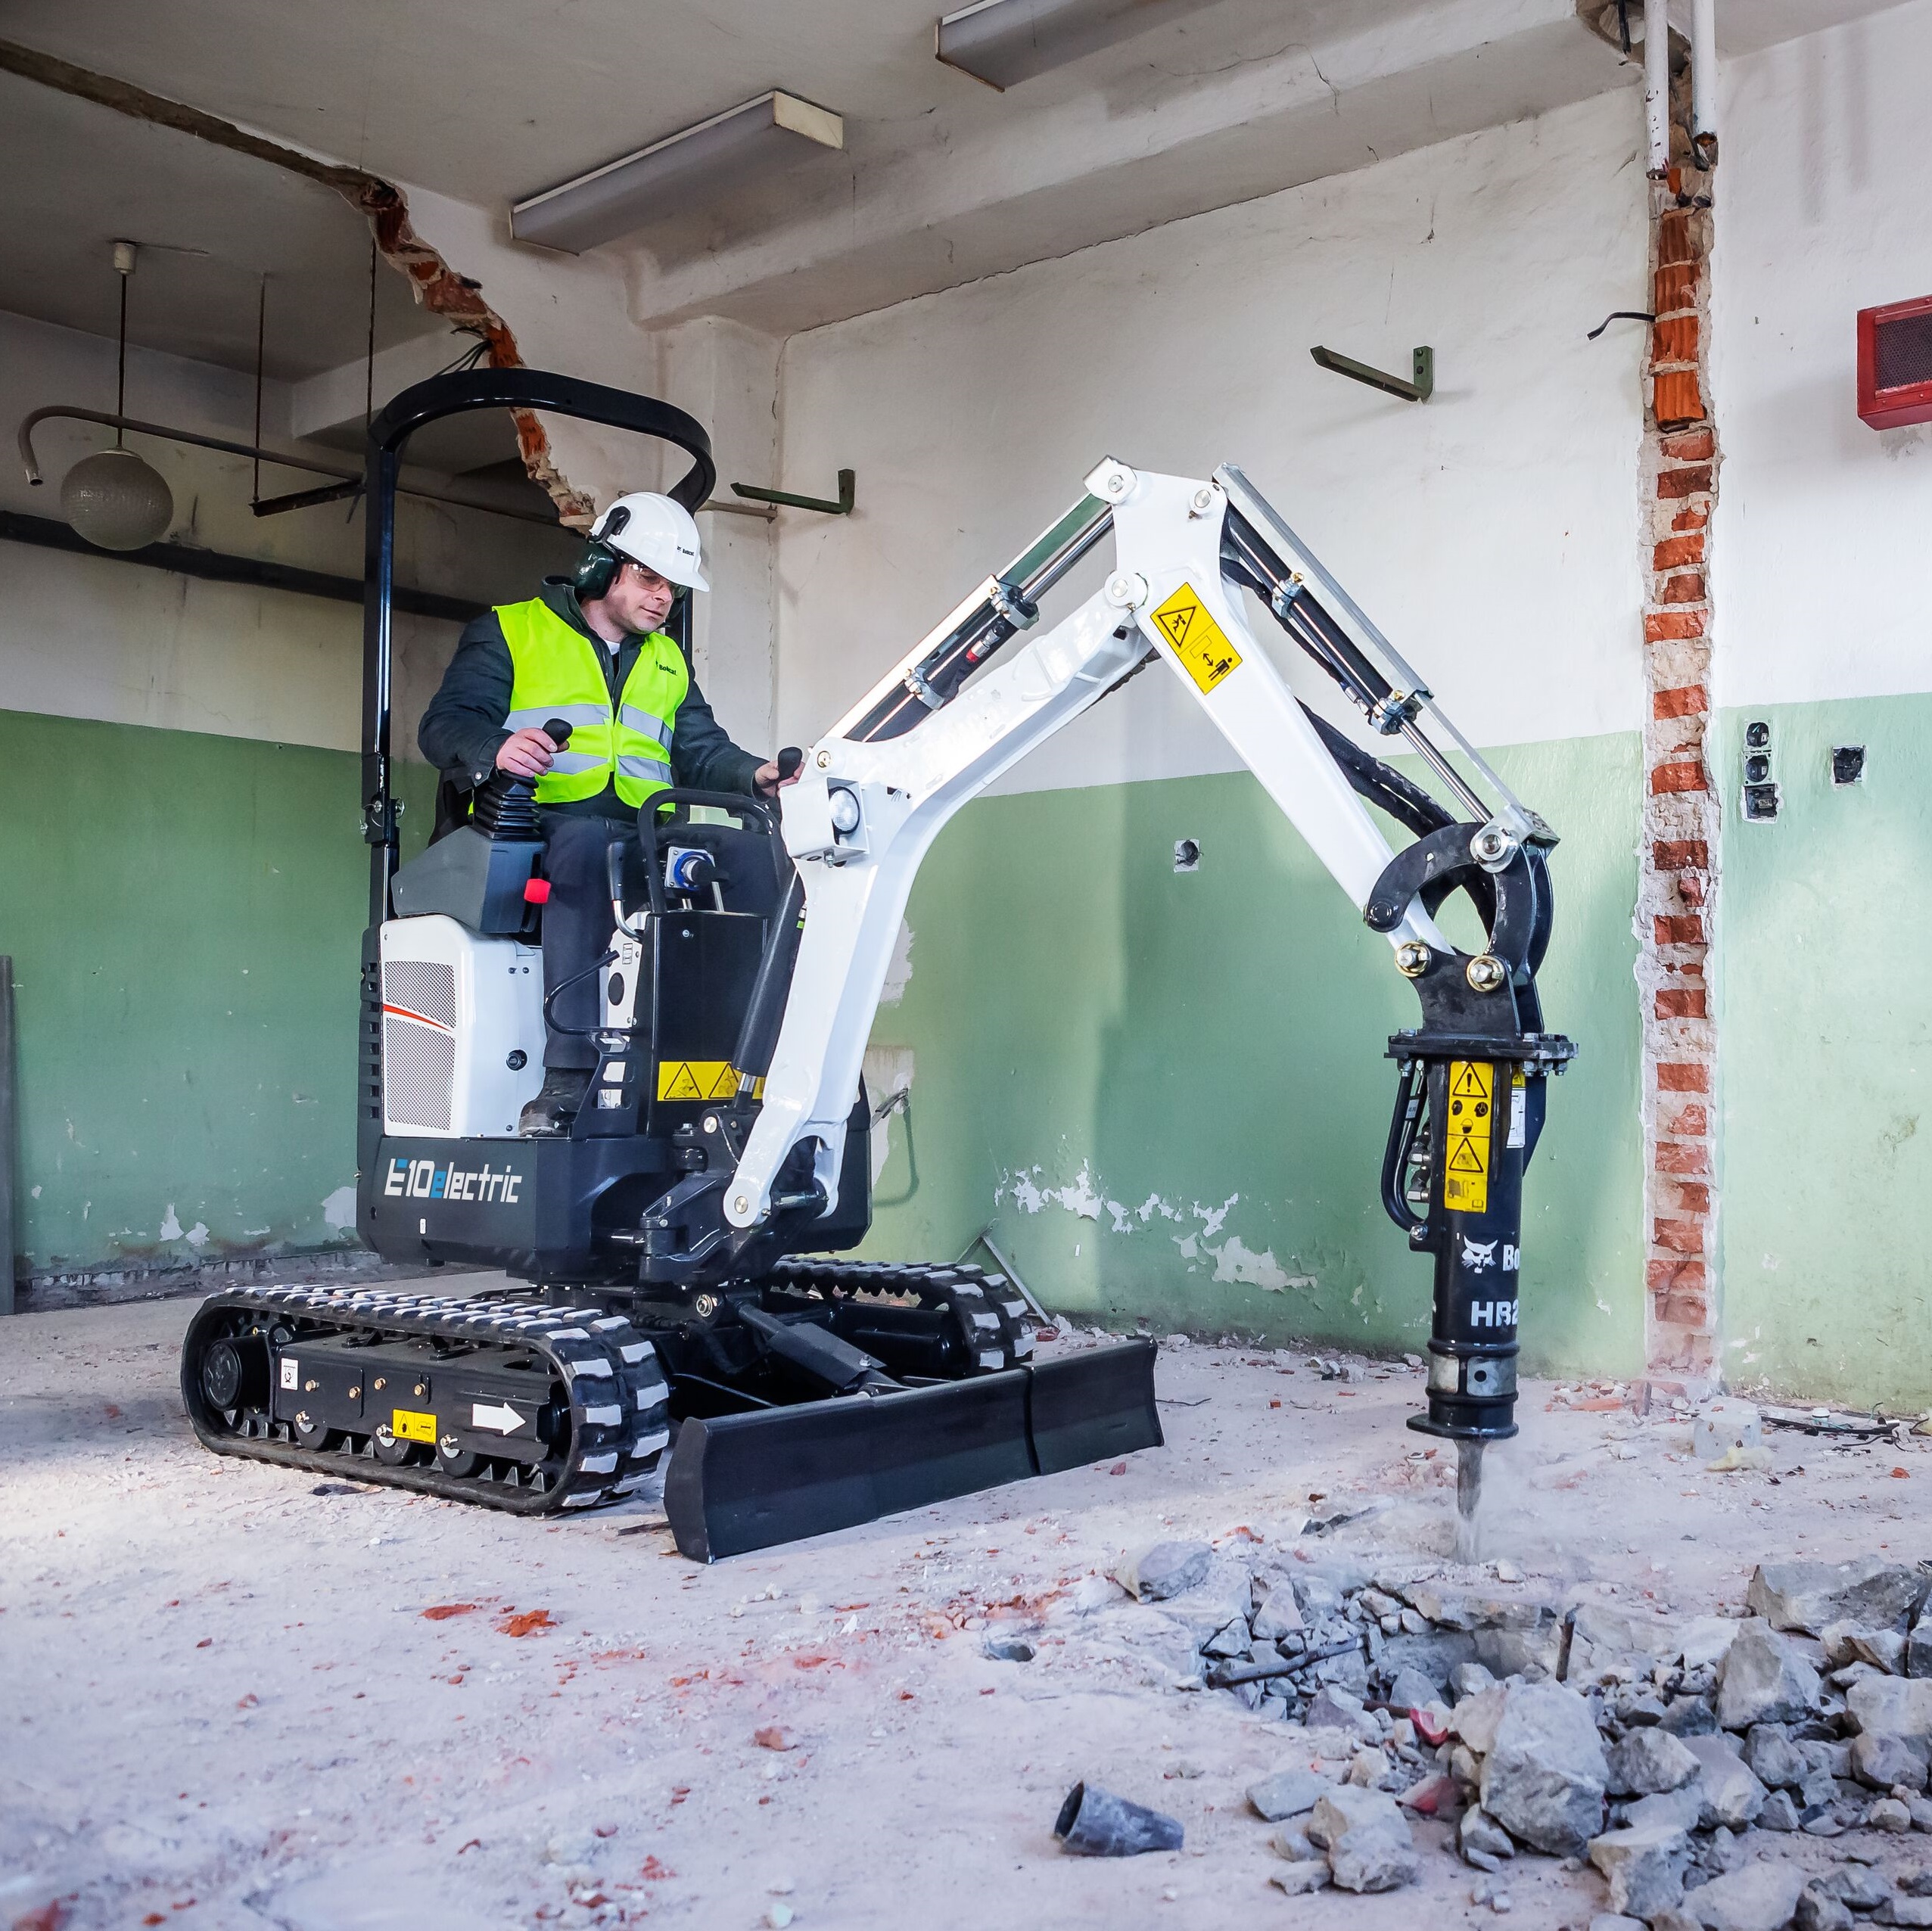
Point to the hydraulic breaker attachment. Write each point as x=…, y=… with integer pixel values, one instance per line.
x=744, y=1482
x=1469, y=1111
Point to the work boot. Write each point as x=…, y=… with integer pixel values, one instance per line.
x=549, y=1115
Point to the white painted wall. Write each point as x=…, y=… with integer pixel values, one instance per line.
x=1821, y=522
x=1489, y=531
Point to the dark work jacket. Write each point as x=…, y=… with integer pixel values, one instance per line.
x=462, y=729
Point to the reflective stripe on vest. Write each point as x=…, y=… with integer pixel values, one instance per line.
x=557, y=674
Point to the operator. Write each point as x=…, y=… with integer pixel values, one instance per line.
x=592, y=650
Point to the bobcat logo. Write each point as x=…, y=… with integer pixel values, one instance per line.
x=1479, y=1255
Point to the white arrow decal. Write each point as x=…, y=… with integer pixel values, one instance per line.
x=504, y=1420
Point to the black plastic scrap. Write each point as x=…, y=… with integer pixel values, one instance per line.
x=1094, y=1822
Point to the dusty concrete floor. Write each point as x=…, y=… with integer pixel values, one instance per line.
x=224, y=1703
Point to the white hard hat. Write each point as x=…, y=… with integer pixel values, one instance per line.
x=658, y=532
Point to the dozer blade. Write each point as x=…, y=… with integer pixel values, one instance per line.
x=739, y=1482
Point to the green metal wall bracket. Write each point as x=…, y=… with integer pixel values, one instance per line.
x=847, y=496
x=1420, y=390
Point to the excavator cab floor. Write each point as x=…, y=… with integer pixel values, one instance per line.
x=744, y=1482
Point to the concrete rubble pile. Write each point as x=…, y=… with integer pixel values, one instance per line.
x=1674, y=1756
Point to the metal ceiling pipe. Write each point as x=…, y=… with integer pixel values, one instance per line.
x=1657, y=85
x=1704, y=81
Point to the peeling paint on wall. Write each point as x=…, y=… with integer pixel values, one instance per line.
x=1233, y=1261
x=898, y=968
x=339, y=1209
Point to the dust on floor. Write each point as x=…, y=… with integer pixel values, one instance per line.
x=229, y=1700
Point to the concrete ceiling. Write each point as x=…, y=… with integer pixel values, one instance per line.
x=210, y=224
x=941, y=179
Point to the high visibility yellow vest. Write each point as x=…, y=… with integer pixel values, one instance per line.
x=557, y=675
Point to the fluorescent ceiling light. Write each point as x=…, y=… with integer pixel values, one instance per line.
x=666, y=177
x=1003, y=42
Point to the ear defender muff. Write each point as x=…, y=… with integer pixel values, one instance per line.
x=596, y=571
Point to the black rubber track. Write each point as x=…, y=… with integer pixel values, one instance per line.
x=618, y=1401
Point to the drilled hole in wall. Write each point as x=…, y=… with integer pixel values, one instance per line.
x=1187, y=855
x=1848, y=764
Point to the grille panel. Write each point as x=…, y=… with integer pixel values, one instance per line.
x=418, y=1067
x=1903, y=351
x=423, y=986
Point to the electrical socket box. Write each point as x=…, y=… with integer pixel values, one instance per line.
x=1895, y=363
x=1762, y=797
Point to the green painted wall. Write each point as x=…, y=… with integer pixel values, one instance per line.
x=1825, y=1056
x=184, y=914
x=1196, y=1042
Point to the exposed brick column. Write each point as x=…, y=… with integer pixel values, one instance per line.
x=1677, y=890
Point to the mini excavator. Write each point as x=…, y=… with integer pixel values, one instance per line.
x=683, y=1248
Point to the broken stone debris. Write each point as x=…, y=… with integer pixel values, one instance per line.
x=1526, y=1723
x=1370, y=1845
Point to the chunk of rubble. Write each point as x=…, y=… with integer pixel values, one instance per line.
x=1882, y=1761
x=1645, y=1762
x=1764, y=1680
x=1780, y=1813
x=1643, y=1867
x=1889, y=1815
x=1777, y=1762
x=1162, y=1570
x=1470, y=1680
x=1730, y=1795
x=1817, y=1910
x=1755, y=1897
x=1410, y=1689
x=1681, y=1809
x=1370, y=1845
x=1544, y=1776
x=1287, y=1793
x=1870, y=1591
x=1297, y=1879
x=1918, y=1648
x=1898, y=1706
x=1704, y=1640
x=1278, y=1615
x=1333, y=1708
x=1482, y=1841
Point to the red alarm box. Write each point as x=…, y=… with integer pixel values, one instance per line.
x=1895, y=363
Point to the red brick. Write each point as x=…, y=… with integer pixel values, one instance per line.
x=1675, y=397
x=1693, y=1119
x=1689, y=1308
x=1663, y=1276
x=1674, y=241
x=1690, y=519
x=1687, y=586
x=1669, y=778
x=1692, y=481
x=1679, y=1156
x=1675, y=551
x=1693, y=1196
x=1676, y=286
x=1679, y=1236
x=1681, y=855
x=1696, y=446
x=1690, y=888
x=1673, y=339
x=1687, y=701
x=1682, y=1076
x=1667, y=626
x=1679, y=929
x=1680, y=1003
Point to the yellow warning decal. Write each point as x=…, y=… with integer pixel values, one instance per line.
x=696, y=1079
x=1471, y=1092
x=407, y=1425
x=1199, y=642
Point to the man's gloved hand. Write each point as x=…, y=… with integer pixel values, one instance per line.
x=526, y=753
x=772, y=776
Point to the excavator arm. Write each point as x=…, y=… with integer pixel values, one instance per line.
x=947, y=721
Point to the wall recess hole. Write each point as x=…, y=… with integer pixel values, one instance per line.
x=1761, y=803
x=1757, y=735
x=1848, y=764
x=1187, y=855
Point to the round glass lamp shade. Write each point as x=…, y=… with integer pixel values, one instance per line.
x=116, y=500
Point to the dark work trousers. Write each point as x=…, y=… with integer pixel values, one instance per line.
x=577, y=925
